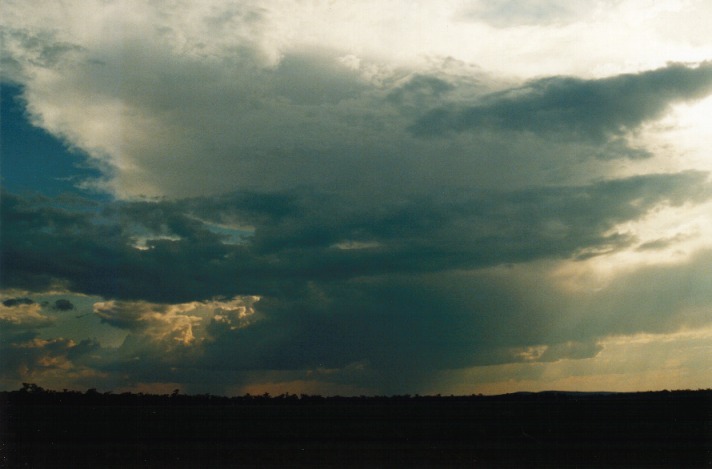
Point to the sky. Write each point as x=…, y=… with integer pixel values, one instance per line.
x=356, y=198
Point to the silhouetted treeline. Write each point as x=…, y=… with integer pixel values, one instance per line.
x=44, y=428
x=32, y=393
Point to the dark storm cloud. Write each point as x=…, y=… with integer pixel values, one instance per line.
x=469, y=229
x=10, y=302
x=94, y=251
x=595, y=110
x=384, y=286
x=63, y=305
x=302, y=236
x=386, y=323
x=396, y=331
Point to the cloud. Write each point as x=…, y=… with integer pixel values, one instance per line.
x=41, y=49
x=570, y=350
x=394, y=334
x=63, y=305
x=10, y=302
x=662, y=243
x=297, y=236
x=197, y=110
x=419, y=91
x=596, y=110
x=26, y=357
x=627, y=363
x=286, y=203
x=509, y=13
x=172, y=324
x=21, y=315
x=160, y=324
x=389, y=329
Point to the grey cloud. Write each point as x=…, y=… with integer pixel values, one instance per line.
x=427, y=288
x=464, y=230
x=123, y=315
x=29, y=358
x=419, y=91
x=10, y=302
x=196, y=127
x=380, y=256
x=510, y=13
x=597, y=110
x=227, y=114
x=403, y=328
x=22, y=329
x=297, y=236
x=656, y=299
x=394, y=332
x=38, y=49
x=662, y=243
x=19, y=316
x=315, y=79
x=83, y=348
x=63, y=305
x=570, y=350
x=387, y=328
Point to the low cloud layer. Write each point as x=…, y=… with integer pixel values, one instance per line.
x=163, y=251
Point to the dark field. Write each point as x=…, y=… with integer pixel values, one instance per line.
x=68, y=429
